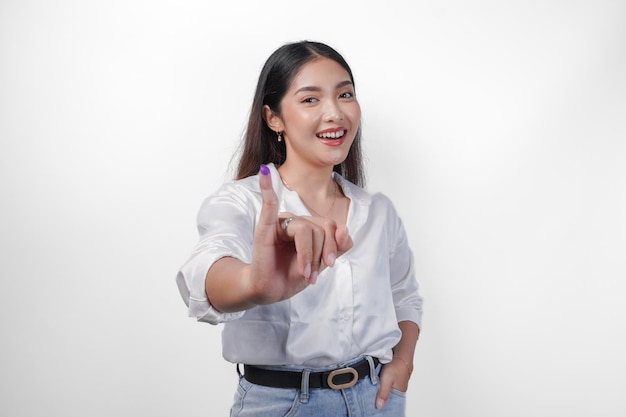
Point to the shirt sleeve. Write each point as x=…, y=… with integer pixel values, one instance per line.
x=404, y=286
x=226, y=227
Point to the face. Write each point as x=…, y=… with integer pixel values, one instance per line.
x=320, y=115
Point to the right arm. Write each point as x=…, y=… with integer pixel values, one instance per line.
x=227, y=285
x=283, y=262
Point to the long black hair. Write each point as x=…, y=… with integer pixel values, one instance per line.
x=259, y=142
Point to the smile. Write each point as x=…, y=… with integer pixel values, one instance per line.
x=331, y=135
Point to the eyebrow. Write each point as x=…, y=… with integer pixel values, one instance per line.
x=313, y=88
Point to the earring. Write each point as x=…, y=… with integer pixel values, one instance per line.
x=280, y=136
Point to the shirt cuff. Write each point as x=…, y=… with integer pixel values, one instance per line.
x=203, y=311
x=409, y=314
x=190, y=281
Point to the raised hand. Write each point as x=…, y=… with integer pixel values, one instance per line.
x=288, y=254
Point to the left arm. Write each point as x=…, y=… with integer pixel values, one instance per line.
x=396, y=373
x=408, y=305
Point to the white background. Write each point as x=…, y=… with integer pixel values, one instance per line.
x=497, y=128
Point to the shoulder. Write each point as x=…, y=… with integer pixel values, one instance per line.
x=243, y=193
x=382, y=203
x=382, y=199
x=382, y=206
x=246, y=188
x=245, y=185
x=232, y=199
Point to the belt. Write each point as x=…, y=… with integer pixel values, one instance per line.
x=339, y=378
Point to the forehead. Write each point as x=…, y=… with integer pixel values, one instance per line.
x=321, y=72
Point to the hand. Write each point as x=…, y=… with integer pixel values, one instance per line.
x=395, y=375
x=286, y=262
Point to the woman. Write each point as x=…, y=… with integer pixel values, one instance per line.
x=312, y=275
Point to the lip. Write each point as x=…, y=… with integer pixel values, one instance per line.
x=333, y=142
x=331, y=130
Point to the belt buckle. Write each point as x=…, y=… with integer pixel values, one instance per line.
x=342, y=371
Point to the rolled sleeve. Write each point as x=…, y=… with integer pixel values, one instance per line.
x=190, y=281
x=406, y=297
x=225, y=226
x=404, y=286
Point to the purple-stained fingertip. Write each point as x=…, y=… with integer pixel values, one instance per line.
x=264, y=170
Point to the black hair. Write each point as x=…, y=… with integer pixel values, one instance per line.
x=259, y=141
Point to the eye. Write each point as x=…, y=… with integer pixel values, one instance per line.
x=310, y=100
x=347, y=94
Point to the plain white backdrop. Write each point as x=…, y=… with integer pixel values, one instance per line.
x=497, y=128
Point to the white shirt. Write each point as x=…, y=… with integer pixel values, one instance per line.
x=352, y=310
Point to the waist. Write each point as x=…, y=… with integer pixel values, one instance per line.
x=337, y=378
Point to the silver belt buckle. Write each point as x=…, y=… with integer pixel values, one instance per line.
x=348, y=370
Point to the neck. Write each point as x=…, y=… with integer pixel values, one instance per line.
x=314, y=183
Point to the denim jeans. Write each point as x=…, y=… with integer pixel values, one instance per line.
x=357, y=401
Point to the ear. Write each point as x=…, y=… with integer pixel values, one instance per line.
x=272, y=119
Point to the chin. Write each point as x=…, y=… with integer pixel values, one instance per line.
x=338, y=161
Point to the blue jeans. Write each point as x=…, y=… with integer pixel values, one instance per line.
x=357, y=401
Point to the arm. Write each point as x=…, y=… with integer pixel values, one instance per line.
x=405, y=349
x=227, y=287
x=408, y=304
x=284, y=260
x=396, y=373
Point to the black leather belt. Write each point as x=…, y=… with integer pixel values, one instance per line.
x=339, y=378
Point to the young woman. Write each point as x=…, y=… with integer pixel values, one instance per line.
x=312, y=275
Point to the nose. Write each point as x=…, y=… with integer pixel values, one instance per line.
x=333, y=111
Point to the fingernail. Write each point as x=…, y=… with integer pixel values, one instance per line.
x=264, y=169
x=331, y=259
x=313, y=278
x=380, y=403
x=307, y=271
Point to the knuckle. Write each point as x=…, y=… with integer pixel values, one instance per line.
x=271, y=201
x=300, y=223
x=329, y=224
x=318, y=233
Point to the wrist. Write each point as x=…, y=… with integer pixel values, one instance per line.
x=407, y=365
x=251, y=292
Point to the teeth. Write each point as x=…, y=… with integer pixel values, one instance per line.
x=332, y=135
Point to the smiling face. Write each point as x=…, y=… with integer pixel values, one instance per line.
x=319, y=115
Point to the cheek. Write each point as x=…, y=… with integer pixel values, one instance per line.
x=354, y=112
x=299, y=119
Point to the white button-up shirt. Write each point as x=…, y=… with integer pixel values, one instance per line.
x=352, y=310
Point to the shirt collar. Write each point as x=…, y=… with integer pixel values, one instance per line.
x=352, y=191
x=359, y=206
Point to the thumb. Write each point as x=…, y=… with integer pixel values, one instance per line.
x=342, y=236
x=383, y=392
x=269, y=206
